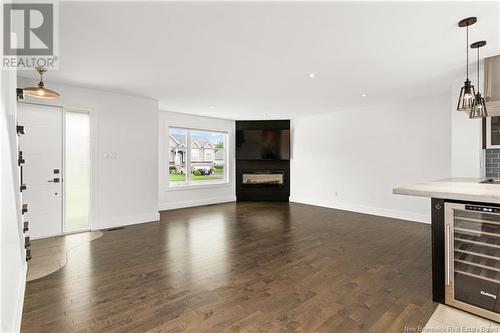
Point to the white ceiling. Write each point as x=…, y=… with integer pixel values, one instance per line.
x=253, y=59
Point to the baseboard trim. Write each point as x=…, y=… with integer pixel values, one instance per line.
x=45, y=236
x=194, y=203
x=127, y=220
x=396, y=214
x=20, y=301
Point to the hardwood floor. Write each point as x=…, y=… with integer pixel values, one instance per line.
x=50, y=254
x=246, y=267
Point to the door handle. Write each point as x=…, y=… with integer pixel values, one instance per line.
x=23, y=187
x=20, y=159
x=448, y=253
x=55, y=180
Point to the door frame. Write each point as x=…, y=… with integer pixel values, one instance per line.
x=93, y=126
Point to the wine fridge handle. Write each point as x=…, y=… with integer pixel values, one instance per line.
x=447, y=253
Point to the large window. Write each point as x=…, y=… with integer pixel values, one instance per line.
x=196, y=157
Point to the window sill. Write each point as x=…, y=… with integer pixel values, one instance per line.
x=196, y=187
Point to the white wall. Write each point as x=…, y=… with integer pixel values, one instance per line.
x=354, y=158
x=124, y=188
x=13, y=263
x=171, y=198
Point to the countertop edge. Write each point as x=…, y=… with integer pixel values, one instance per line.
x=446, y=195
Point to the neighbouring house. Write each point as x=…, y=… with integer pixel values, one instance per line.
x=219, y=157
x=203, y=153
x=177, y=149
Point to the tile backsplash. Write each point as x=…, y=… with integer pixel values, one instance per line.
x=492, y=163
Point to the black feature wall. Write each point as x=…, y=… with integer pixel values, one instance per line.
x=262, y=192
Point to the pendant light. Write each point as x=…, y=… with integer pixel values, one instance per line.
x=40, y=91
x=467, y=92
x=478, y=106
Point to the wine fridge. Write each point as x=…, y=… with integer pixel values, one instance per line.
x=472, y=258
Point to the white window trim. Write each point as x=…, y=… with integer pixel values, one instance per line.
x=188, y=185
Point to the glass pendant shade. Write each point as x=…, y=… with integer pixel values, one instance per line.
x=41, y=92
x=466, y=98
x=478, y=109
x=467, y=92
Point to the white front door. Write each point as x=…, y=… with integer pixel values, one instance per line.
x=41, y=146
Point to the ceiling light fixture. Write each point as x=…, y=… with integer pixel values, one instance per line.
x=211, y=106
x=312, y=75
x=467, y=92
x=478, y=105
x=363, y=95
x=40, y=91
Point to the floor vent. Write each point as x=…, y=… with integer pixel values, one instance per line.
x=117, y=228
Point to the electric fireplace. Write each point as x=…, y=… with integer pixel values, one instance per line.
x=274, y=178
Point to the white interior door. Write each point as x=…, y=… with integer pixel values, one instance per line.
x=41, y=146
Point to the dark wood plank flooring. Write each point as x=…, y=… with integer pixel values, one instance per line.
x=246, y=267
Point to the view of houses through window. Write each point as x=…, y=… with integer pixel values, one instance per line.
x=202, y=163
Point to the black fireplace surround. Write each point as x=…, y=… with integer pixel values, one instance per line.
x=262, y=179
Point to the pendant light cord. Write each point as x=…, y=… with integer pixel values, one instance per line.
x=467, y=51
x=478, y=70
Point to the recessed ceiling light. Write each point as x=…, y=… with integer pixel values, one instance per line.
x=363, y=95
x=212, y=106
x=312, y=75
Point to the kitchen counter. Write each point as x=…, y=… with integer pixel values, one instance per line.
x=457, y=279
x=464, y=189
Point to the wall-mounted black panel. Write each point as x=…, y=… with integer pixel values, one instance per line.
x=262, y=124
x=265, y=191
